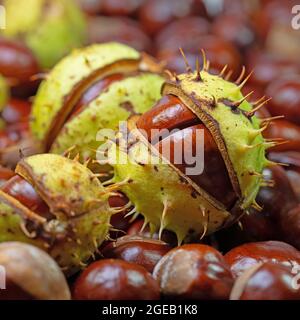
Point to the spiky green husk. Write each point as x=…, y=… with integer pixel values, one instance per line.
x=168, y=199
x=50, y=28
x=138, y=92
x=76, y=199
x=134, y=94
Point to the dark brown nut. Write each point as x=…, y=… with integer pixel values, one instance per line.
x=247, y=255
x=287, y=131
x=138, y=229
x=290, y=225
x=156, y=14
x=268, y=67
x=292, y=160
x=142, y=251
x=219, y=52
x=236, y=29
x=18, y=64
x=121, y=7
x=124, y=30
x=31, y=274
x=266, y=281
x=112, y=279
x=16, y=111
x=5, y=175
x=174, y=35
x=285, y=93
x=275, y=200
x=194, y=271
x=119, y=222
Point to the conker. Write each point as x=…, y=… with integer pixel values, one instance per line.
x=194, y=271
x=136, y=249
x=19, y=65
x=266, y=281
x=112, y=279
x=247, y=255
x=31, y=274
x=285, y=93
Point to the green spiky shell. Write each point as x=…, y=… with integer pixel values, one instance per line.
x=3, y=93
x=172, y=201
x=76, y=199
x=139, y=90
x=50, y=28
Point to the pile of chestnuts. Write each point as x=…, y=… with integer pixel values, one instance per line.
x=74, y=224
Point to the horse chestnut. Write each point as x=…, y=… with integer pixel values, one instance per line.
x=266, y=281
x=247, y=255
x=285, y=93
x=142, y=251
x=31, y=274
x=112, y=279
x=194, y=271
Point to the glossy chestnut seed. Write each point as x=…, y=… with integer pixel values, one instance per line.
x=287, y=131
x=156, y=14
x=292, y=160
x=137, y=228
x=268, y=67
x=16, y=111
x=142, y=251
x=290, y=225
x=247, y=255
x=125, y=30
x=112, y=279
x=194, y=271
x=219, y=52
x=266, y=281
x=121, y=7
x=174, y=35
x=5, y=175
x=236, y=29
x=275, y=200
x=119, y=222
x=31, y=274
x=285, y=93
x=18, y=64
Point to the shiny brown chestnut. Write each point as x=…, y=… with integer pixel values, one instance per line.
x=287, y=131
x=285, y=93
x=121, y=7
x=266, y=281
x=18, y=64
x=125, y=30
x=247, y=255
x=171, y=113
x=194, y=271
x=16, y=111
x=137, y=228
x=275, y=200
x=136, y=249
x=268, y=67
x=119, y=222
x=91, y=7
x=112, y=279
x=5, y=175
x=292, y=168
x=156, y=14
x=174, y=35
x=235, y=28
x=219, y=52
x=31, y=274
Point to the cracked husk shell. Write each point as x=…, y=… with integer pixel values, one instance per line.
x=74, y=196
x=169, y=199
x=65, y=84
